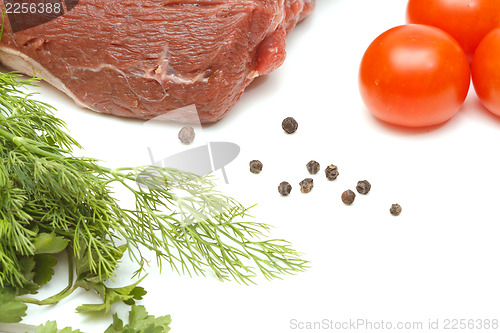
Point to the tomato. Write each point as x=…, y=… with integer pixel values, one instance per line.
x=414, y=75
x=486, y=71
x=468, y=21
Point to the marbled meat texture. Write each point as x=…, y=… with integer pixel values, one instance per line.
x=146, y=58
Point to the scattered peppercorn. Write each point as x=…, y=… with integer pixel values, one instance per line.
x=363, y=187
x=186, y=135
x=313, y=167
x=395, y=209
x=284, y=188
x=255, y=166
x=348, y=197
x=332, y=172
x=306, y=185
x=290, y=125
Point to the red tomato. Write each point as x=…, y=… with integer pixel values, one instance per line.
x=414, y=75
x=486, y=71
x=468, y=21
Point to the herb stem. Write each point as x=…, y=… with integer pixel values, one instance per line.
x=48, y=301
x=70, y=288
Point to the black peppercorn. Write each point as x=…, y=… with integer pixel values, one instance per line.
x=348, y=197
x=313, y=167
x=289, y=125
x=332, y=172
x=363, y=187
x=186, y=135
x=306, y=185
x=255, y=166
x=395, y=209
x=284, y=188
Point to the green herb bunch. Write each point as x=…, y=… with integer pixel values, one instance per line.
x=53, y=202
x=139, y=321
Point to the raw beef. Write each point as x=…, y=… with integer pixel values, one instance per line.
x=146, y=58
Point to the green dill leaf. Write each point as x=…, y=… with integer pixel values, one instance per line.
x=82, y=266
x=44, y=271
x=51, y=200
x=11, y=310
x=49, y=243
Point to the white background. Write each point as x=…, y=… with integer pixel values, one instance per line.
x=438, y=260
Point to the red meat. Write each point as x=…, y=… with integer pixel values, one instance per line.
x=145, y=58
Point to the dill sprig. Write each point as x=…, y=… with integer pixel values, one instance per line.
x=52, y=201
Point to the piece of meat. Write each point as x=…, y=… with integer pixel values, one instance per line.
x=146, y=58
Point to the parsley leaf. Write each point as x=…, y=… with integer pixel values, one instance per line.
x=11, y=310
x=51, y=327
x=128, y=295
x=27, y=266
x=140, y=322
x=49, y=243
x=43, y=268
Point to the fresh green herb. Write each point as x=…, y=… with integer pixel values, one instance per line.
x=51, y=327
x=139, y=321
x=53, y=202
x=11, y=309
